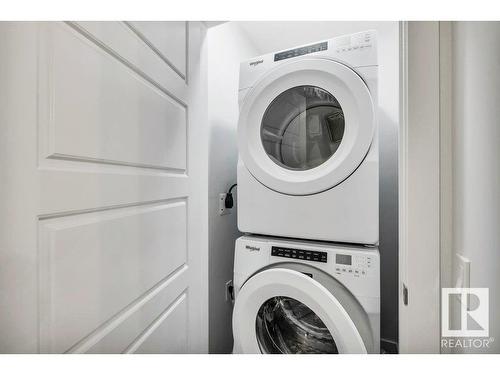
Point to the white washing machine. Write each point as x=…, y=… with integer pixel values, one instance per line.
x=308, y=142
x=293, y=296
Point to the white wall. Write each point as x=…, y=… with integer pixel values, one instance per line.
x=227, y=46
x=476, y=157
x=272, y=36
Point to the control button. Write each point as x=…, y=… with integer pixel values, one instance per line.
x=315, y=256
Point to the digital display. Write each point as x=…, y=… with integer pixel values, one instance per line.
x=343, y=259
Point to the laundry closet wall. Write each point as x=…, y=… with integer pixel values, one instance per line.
x=226, y=43
x=227, y=46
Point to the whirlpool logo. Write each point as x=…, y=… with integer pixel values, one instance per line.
x=256, y=62
x=252, y=248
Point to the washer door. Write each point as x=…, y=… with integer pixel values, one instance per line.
x=306, y=126
x=284, y=311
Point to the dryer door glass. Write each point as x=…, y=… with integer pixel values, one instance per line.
x=285, y=325
x=302, y=127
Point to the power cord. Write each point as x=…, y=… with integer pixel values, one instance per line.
x=229, y=201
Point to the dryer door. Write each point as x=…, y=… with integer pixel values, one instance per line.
x=306, y=126
x=284, y=311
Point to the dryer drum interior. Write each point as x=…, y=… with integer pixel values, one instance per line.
x=302, y=127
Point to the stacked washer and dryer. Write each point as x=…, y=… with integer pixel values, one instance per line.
x=306, y=272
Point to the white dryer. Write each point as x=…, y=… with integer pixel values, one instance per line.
x=305, y=297
x=308, y=142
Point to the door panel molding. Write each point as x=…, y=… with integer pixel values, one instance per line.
x=93, y=264
x=129, y=324
x=156, y=40
x=173, y=321
x=117, y=40
x=83, y=103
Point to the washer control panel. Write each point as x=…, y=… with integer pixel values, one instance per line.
x=356, y=265
x=286, y=252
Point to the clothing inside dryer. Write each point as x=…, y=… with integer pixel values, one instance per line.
x=285, y=325
x=302, y=127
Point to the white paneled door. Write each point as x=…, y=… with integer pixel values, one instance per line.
x=103, y=188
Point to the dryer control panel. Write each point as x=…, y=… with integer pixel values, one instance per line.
x=286, y=252
x=323, y=46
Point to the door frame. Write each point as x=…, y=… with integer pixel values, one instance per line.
x=422, y=156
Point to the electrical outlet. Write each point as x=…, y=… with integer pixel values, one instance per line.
x=222, y=206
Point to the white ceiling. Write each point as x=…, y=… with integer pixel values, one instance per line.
x=269, y=36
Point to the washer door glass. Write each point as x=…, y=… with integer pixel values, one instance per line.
x=285, y=325
x=302, y=127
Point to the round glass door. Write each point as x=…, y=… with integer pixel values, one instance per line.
x=306, y=126
x=302, y=127
x=281, y=310
x=287, y=326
